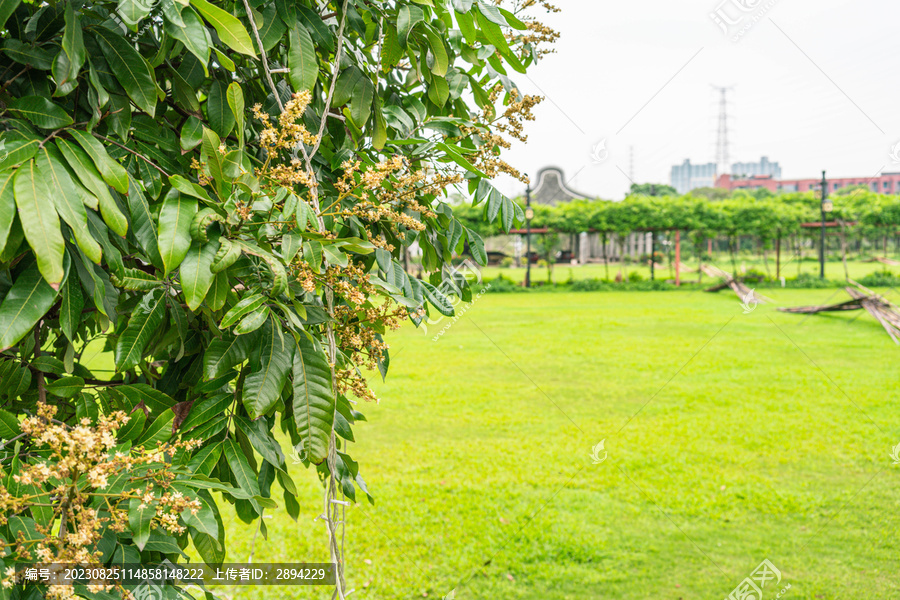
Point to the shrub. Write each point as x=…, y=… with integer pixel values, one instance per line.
x=880, y=279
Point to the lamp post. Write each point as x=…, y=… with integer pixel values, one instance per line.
x=653, y=244
x=529, y=214
x=827, y=207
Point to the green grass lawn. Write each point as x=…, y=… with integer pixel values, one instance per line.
x=731, y=438
x=790, y=269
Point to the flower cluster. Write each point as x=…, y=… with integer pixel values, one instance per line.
x=66, y=490
x=289, y=132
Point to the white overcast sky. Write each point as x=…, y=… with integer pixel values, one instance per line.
x=821, y=92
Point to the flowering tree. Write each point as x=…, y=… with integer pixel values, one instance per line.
x=203, y=213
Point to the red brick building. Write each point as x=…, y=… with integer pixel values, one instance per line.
x=886, y=183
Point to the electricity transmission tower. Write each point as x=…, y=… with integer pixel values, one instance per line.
x=722, y=158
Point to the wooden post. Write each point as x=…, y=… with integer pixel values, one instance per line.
x=677, y=257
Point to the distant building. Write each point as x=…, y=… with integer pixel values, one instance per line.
x=686, y=176
x=752, y=169
x=886, y=183
x=550, y=188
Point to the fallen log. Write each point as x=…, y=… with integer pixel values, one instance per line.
x=862, y=298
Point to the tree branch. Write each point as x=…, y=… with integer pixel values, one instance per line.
x=138, y=154
x=42, y=393
x=262, y=54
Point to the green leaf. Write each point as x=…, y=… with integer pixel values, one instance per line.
x=191, y=189
x=313, y=398
x=355, y=87
x=391, y=52
x=507, y=213
x=302, y=59
x=26, y=54
x=155, y=400
x=48, y=364
x=191, y=133
x=113, y=173
x=143, y=325
x=205, y=518
x=512, y=19
x=7, y=8
x=245, y=306
x=262, y=388
x=193, y=34
x=204, y=410
x=68, y=202
x=438, y=51
x=436, y=298
x=72, y=45
x=130, y=69
x=18, y=151
x=133, y=12
x=9, y=424
x=229, y=28
x=491, y=31
x=476, y=245
x=135, y=280
x=41, y=112
x=133, y=428
x=209, y=548
x=160, y=430
x=40, y=222
x=454, y=154
x=407, y=18
x=224, y=60
x=439, y=91
x=209, y=151
x=195, y=274
x=361, y=101
x=71, y=306
x=27, y=301
x=139, y=517
x=224, y=353
x=236, y=102
x=65, y=387
x=261, y=439
x=142, y=221
x=205, y=459
x=243, y=474
x=218, y=291
x=88, y=177
x=201, y=223
x=217, y=110
x=175, y=218
x=7, y=206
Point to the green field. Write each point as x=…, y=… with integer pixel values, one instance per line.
x=731, y=438
x=790, y=268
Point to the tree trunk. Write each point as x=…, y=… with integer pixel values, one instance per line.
x=731, y=251
x=778, y=256
x=844, y=250
x=605, y=254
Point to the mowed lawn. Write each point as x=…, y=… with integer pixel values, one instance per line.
x=730, y=438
